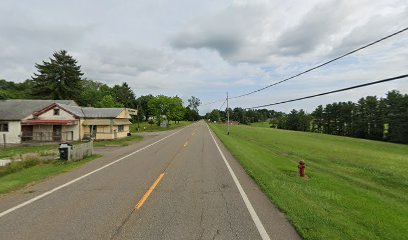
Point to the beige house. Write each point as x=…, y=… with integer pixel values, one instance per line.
x=62, y=121
x=78, y=123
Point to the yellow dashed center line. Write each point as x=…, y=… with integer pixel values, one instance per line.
x=147, y=194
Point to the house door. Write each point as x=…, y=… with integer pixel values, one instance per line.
x=92, y=130
x=56, y=132
x=27, y=132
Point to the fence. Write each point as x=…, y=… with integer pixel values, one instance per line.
x=4, y=140
x=81, y=151
x=48, y=136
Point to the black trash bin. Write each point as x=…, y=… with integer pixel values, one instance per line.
x=64, y=151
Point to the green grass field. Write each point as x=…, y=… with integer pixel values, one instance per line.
x=13, y=151
x=261, y=124
x=146, y=127
x=118, y=142
x=16, y=180
x=357, y=189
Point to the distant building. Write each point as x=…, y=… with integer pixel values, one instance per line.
x=60, y=120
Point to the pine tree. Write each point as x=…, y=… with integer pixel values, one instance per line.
x=60, y=78
x=318, y=119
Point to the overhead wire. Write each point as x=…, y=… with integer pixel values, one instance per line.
x=323, y=64
x=223, y=104
x=216, y=101
x=313, y=68
x=334, y=91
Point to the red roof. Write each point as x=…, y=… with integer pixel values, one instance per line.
x=50, y=122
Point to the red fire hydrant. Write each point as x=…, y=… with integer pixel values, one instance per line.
x=302, y=167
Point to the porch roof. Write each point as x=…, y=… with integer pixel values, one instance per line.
x=50, y=122
x=106, y=122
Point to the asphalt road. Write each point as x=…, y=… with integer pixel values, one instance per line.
x=175, y=185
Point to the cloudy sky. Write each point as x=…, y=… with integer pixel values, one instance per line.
x=206, y=48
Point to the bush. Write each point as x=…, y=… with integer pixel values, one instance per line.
x=18, y=166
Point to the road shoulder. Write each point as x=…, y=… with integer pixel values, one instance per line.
x=274, y=221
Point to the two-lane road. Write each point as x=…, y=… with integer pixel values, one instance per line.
x=179, y=185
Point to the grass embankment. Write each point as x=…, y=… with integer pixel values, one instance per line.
x=117, y=142
x=357, y=188
x=13, y=151
x=146, y=127
x=19, y=174
x=261, y=124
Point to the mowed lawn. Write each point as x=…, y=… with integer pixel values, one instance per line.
x=146, y=127
x=357, y=189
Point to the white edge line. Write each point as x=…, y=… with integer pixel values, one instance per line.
x=2, y=214
x=255, y=218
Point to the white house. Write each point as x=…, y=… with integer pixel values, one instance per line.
x=61, y=121
x=12, y=112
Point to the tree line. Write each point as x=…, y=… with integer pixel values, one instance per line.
x=371, y=117
x=61, y=78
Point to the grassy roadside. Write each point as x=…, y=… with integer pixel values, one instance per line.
x=13, y=151
x=19, y=174
x=261, y=124
x=146, y=127
x=118, y=142
x=357, y=188
x=14, y=181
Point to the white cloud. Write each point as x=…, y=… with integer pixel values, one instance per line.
x=207, y=48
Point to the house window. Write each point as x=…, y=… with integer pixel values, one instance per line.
x=121, y=128
x=56, y=111
x=4, y=127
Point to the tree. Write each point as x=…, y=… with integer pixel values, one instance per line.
x=397, y=116
x=60, y=78
x=93, y=93
x=193, y=104
x=375, y=120
x=191, y=115
x=214, y=115
x=176, y=111
x=12, y=90
x=108, y=102
x=143, y=107
x=161, y=106
x=123, y=94
x=239, y=115
x=317, y=115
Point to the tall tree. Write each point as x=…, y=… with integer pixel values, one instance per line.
x=60, y=78
x=124, y=94
x=143, y=106
x=397, y=117
x=176, y=111
x=160, y=106
x=93, y=92
x=214, y=116
x=317, y=115
x=108, y=102
x=193, y=104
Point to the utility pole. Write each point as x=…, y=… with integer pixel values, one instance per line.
x=228, y=121
x=138, y=116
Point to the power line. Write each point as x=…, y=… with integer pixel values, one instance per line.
x=323, y=64
x=334, y=91
x=216, y=101
x=223, y=104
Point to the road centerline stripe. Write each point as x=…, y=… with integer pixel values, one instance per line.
x=147, y=194
x=254, y=216
x=4, y=213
